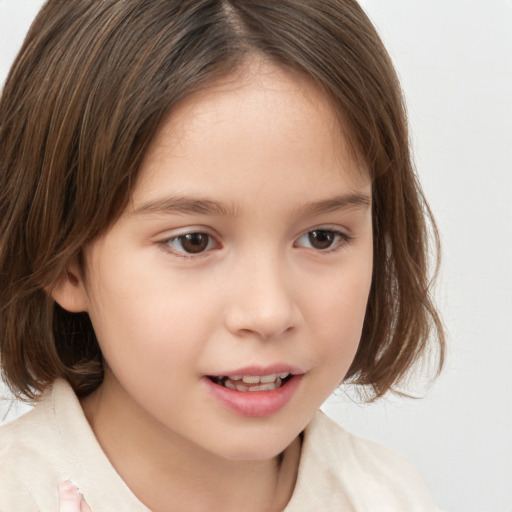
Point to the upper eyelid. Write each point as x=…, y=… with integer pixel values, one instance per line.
x=174, y=237
x=208, y=231
x=212, y=233
x=328, y=227
x=337, y=232
x=171, y=234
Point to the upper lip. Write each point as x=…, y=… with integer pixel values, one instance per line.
x=260, y=370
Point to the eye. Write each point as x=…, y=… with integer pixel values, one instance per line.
x=189, y=244
x=322, y=239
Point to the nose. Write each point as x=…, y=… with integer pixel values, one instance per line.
x=262, y=300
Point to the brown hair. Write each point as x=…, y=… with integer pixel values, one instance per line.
x=84, y=98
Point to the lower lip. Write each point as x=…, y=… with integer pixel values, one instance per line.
x=254, y=403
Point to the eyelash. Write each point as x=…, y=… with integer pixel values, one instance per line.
x=340, y=239
x=166, y=244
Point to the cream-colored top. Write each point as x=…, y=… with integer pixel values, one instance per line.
x=338, y=472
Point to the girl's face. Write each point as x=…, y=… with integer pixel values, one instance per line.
x=246, y=251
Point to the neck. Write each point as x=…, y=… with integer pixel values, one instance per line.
x=167, y=473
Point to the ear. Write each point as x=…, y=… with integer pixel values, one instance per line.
x=69, y=291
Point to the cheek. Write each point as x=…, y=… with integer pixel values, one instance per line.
x=340, y=302
x=337, y=311
x=146, y=317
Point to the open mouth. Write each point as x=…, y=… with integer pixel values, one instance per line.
x=249, y=383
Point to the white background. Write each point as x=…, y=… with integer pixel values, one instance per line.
x=455, y=61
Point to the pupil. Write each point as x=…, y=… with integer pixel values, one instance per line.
x=321, y=239
x=194, y=242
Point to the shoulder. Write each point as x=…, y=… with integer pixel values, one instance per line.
x=358, y=473
x=15, y=492
x=341, y=448
x=29, y=447
x=53, y=443
x=30, y=433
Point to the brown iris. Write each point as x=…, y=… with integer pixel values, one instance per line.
x=321, y=239
x=194, y=242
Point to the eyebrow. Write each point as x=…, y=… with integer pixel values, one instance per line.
x=341, y=202
x=200, y=206
x=183, y=204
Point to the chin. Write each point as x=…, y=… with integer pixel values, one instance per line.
x=260, y=449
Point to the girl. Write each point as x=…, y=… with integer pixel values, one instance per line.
x=209, y=219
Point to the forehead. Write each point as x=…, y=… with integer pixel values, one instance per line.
x=259, y=124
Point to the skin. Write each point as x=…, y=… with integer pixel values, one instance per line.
x=266, y=145
x=70, y=500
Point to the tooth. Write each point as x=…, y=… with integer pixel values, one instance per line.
x=235, y=377
x=268, y=378
x=229, y=385
x=267, y=387
x=250, y=379
x=284, y=375
x=241, y=387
